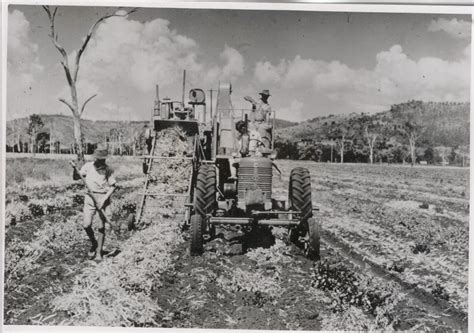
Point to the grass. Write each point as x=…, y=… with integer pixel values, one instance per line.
x=34, y=172
x=29, y=171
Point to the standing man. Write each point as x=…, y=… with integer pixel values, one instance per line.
x=260, y=118
x=101, y=181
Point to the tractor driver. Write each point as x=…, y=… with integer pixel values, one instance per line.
x=260, y=117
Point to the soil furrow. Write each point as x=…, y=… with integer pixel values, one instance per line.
x=452, y=317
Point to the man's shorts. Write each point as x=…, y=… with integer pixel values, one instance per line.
x=90, y=210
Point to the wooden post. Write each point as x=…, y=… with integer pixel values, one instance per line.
x=184, y=85
x=50, y=140
x=156, y=110
x=210, y=91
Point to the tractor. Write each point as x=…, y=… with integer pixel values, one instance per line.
x=233, y=183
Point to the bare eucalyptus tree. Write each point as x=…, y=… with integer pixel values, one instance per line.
x=71, y=72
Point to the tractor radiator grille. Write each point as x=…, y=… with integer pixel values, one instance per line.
x=258, y=175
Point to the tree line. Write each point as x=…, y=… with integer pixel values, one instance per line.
x=408, y=133
x=34, y=136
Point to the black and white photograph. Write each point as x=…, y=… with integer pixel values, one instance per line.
x=235, y=166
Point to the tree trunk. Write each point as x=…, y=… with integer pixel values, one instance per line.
x=18, y=141
x=412, y=152
x=342, y=152
x=50, y=141
x=33, y=143
x=78, y=138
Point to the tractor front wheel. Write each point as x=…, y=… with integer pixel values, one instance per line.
x=197, y=227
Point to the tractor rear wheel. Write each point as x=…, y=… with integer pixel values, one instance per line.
x=197, y=228
x=205, y=192
x=299, y=198
x=314, y=229
x=299, y=193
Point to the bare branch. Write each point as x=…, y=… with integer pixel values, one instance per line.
x=54, y=13
x=68, y=104
x=53, y=35
x=68, y=73
x=89, y=36
x=87, y=101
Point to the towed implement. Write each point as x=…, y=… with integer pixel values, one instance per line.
x=169, y=115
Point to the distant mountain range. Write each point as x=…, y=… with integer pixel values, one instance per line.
x=61, y=128
x=446, y=124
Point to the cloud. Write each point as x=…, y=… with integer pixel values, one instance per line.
x=149, y=53
x=395, y=78
x=266, y=73
x=234, y=63
x=23, y=65
x=298, y=72
x=232, y=66
x=293, y=112
x=457, y=29
x=138, y=54
x=111, y=110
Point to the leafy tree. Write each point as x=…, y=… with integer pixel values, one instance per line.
x=35, y=123
x=342, y=135
x=411, y=128
x=42, y=142
x=310, y=152
x=462, y=155
x=373, y=131
x=442, y=154
x=286, y=149
x=428, y=155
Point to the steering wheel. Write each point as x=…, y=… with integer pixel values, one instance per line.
x=260, y=142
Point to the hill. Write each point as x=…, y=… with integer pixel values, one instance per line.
x=444, y=124
x=60, y=128
x=442, y=129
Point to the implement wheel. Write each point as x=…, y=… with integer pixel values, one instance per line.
x=197, y=227
x=314, y=229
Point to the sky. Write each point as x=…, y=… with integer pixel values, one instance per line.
x=313, y=63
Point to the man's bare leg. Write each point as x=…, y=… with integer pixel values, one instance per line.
x=100, y=242
x=90, y=234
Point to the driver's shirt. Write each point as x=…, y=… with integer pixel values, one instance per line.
x=261, y=111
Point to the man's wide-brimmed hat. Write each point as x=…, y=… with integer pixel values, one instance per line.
x=100, y=152
x=265, y=92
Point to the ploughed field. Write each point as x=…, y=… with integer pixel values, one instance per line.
x=394, y=255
